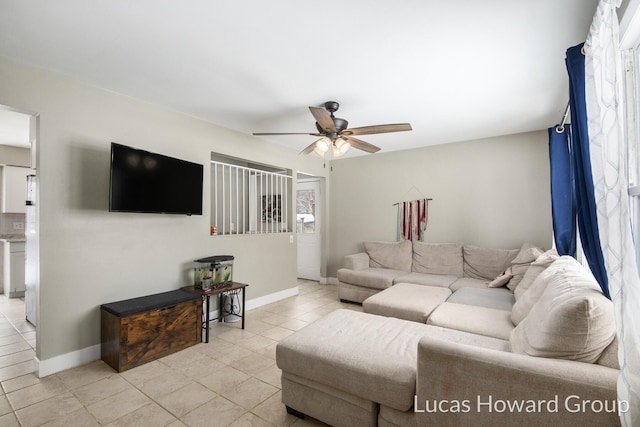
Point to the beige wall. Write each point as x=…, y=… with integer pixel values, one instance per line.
x=491, y=192
x=90, y=256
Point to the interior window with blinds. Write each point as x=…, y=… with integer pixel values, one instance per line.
x=249, y=198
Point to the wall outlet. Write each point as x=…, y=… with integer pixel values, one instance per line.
x=18, y=225
x=291, y=239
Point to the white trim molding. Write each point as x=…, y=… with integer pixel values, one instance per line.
x=67, y=361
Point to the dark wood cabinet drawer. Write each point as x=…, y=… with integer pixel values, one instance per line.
x=138, y=331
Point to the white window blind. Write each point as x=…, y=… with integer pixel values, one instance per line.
x=248, y=200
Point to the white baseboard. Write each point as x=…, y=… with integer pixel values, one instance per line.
x=274, y=297
x=329, y=281
x=89, y=354
x=264, y=300
x=67, y=361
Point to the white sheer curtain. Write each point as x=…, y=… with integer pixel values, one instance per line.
x=603, y=89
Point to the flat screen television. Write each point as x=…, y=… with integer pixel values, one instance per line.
x=142, y=181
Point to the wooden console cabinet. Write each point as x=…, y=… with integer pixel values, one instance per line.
x=139, y=330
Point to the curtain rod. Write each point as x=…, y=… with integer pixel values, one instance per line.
x=560, y=127
x=397, y=203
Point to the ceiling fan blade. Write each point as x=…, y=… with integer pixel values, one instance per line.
x=285, y=133
x=323, y=118
x=309, y=149
x=361, y=145
x=368, y=130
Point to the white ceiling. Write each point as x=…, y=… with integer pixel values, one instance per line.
x=456, y=70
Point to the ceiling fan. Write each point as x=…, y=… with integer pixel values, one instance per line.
x=336, y=137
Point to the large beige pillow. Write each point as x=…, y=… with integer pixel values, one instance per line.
x=530, y=297
x=396, y=256
x=437, y=258
x=521, y=263
x=485, y=263
x=534, y=270
x=572, y=320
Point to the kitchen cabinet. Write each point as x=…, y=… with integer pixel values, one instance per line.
x=14, y=188
x=13, y=268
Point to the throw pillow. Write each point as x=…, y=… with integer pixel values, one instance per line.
x=501, y=280
x=485, y=263
x=534, y=270
x=437, y=258
x=572, y=320
x=392, y=255
x=519, y=266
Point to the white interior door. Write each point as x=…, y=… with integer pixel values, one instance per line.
x=308, y=226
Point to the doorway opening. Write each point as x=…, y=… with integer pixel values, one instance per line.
x=310, y=226
x=18, y=221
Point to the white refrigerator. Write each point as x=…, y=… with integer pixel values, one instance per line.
x=31, y=254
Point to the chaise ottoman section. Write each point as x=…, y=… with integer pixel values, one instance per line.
x=372, y=357
x=407, y=301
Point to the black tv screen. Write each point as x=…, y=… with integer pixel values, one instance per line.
x=142, y=181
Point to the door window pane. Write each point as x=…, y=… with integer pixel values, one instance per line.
x=306, y=211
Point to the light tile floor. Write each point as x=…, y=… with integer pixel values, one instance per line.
x=233, y=380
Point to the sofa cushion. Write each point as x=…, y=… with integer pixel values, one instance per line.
x=572, y=320
x=469, y=318
x=486, y=263
x=376, y=278
x=521, y=263
x=406, y=301
x=489, y=298
x=538, y=266
x=438, y=258
x=372, y=357
x=395, y=256
x=426, y=279
x=468, y=282
x=531, y=296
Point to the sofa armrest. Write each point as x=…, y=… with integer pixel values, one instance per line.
x=484, y=382
x=359, y=261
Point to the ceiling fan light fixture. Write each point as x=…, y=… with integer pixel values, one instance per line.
x=336, y=135
x=323, y=144
x=341, y=146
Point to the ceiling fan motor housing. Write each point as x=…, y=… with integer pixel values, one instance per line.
x=340, y=124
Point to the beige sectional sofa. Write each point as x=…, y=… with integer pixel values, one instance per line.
x=451, y=265
x=538, y=348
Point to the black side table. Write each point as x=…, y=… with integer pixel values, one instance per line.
x=220, y=291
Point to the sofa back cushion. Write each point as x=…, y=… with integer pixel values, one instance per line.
x=520, y=264
x=396, y=256
x=486, y=263
x=532, y=295
x=572, y=319
x=535, y=269
x=438, y=258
